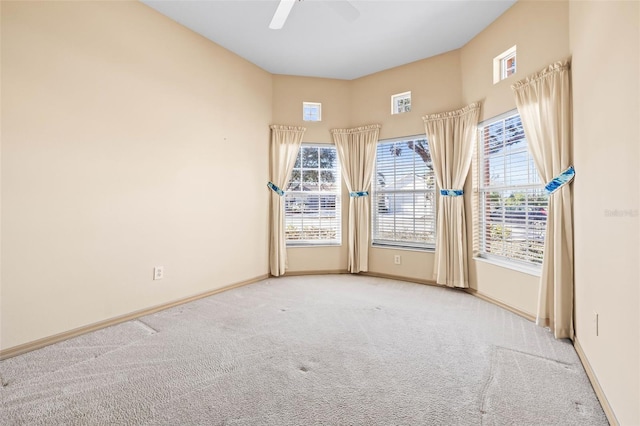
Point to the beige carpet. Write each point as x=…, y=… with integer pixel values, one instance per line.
x=316, y=350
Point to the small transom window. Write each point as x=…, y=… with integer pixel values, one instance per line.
x=312, y=111
x=401, y=103
x=504, y=65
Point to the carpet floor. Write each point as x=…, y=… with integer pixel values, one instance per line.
x=313, y=350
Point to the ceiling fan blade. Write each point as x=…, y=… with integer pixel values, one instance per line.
x=344, y=8
x=281, y=15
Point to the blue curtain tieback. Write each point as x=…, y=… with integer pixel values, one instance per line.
x=451, y=192
x=561, y=180
x=356, y=194
x=275, y=189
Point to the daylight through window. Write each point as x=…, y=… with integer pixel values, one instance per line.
x=312, y=111
x=512, y=199
x=401, y=103
x=312, y=200
x=403, y=202
x=504, y=65
x=509, y=65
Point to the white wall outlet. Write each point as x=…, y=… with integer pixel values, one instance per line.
x=396, y=259
x=158, y=272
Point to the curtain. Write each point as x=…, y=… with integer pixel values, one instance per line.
x=544, y=104
x=357, y=152
x=451, y=137
x=285, y=144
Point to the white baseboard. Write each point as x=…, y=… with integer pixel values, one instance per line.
x=46, y=341
x=400, y=278
x=606, y=407
x=40, y=343
x=489, y=299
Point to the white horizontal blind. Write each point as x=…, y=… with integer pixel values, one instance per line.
x=312, y=199
x=512, y=199
x=403, y=201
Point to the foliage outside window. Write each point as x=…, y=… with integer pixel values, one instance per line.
x=312, y=199
x=401, y=103
x=512, y=199
x=403, y=201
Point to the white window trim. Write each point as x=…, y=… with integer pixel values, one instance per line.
x=514, y=264
x=525, y=268
x=499, y=73
x=397, y=97
x=390, y=244
x=503, y=65
x=322, y=243
x=312, y=105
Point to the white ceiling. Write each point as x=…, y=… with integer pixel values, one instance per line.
x=320, y=39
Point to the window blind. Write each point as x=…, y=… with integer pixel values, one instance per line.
x=403, y=201
x=312, y=199
x=511, y=199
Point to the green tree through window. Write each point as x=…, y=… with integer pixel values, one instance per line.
x=312, y=200
x=403, y=201
x=512, y=216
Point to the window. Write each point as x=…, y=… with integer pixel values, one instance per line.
x=504, y=65
x=508, y=65
x=401, y=103
x=312, y=200
x=511, y=199
x=403, y=202
x=311, y=111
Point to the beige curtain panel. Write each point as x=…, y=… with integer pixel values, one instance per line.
x=285, y=144
x=451, y=137
x=357, y=152
x=544, y=104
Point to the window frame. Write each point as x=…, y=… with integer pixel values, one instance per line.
x=395, y=103
x=500, y=70
x=317, y=106
x=379, y=242
x=485, y=217
x=504, y=66
x=319, y=193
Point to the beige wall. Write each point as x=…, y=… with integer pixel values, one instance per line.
x=435, y=87
x=606, y=96
x=288, y=94
x=119, y=127
x=123, y=135
x=441, y=83
x=540, y=30
x=434, y=84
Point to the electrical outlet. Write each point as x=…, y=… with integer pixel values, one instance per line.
x=595, y=323
x=158, y=272
x=396, y=259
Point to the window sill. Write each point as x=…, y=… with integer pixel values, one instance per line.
x=404, y=248
x=307, y=244
x=525, y=269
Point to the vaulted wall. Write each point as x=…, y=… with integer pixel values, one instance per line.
x=129, y=142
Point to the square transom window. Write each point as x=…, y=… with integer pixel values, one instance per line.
x=504, y=65
x=312, y=111
x=401, y=103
